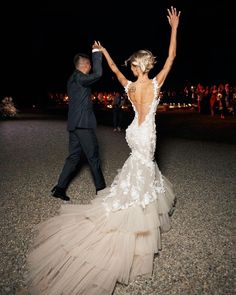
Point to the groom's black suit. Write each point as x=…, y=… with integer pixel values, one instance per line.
x=82, y=124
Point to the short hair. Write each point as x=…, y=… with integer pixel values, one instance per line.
x=80, y=56
x=143, y=59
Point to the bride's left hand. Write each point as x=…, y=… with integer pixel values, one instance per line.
x=173, y=17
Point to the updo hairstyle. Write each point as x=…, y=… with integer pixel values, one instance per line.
x=143, y=59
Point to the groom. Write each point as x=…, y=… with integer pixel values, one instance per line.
x=82, y=122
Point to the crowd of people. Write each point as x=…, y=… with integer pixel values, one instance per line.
x=215, y=99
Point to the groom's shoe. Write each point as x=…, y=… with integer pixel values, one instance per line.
x=59, y=193
x=100, y=188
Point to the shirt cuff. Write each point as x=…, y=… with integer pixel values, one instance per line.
x=95, y=50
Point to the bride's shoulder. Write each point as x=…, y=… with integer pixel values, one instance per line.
x=156, y=87
x=126, y=87
x=156, y=83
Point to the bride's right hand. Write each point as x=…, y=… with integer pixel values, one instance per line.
x=100, y=47
x=96, y=45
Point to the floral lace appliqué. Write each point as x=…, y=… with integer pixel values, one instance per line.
x=140, y=181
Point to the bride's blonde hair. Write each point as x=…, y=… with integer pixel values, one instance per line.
x=143, y=59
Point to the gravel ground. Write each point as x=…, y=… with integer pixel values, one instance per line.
x=198, y=253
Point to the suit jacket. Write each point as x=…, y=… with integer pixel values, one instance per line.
x=80, y=113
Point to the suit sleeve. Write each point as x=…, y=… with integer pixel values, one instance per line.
x=96, y=73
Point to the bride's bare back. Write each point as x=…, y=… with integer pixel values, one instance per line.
x=141, y=94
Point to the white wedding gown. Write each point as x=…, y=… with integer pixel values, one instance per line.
x=86, y=249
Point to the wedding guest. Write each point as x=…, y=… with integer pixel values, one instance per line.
x=117, y=111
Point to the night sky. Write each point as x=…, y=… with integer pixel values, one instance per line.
x=39, y=42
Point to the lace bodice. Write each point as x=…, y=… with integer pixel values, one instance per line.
x=139, y=181
x=141, y=138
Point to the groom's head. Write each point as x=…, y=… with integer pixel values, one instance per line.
x=82, y=63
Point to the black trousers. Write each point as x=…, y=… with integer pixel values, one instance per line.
x=82, y=140
x=117, y=117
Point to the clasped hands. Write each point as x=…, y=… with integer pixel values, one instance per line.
x=97, y=45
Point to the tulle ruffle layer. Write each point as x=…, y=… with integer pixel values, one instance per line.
x=86, y=250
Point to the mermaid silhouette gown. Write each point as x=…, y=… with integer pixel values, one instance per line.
x=86, y=249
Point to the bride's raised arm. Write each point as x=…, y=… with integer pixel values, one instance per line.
x=173, y=19
x=122, y=79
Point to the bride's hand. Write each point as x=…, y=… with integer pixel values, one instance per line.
x=173, y=17
x=97, y=45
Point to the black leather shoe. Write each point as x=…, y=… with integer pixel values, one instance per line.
x=59, y=193
x=100, y=188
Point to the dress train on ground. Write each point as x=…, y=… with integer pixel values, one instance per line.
x=86, y=250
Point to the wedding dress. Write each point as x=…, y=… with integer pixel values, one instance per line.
x=86, y=249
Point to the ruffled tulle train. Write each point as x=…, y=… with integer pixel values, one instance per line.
x=86, y=250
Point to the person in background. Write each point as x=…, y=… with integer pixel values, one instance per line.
x=117, y=111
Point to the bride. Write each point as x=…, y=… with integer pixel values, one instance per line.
x=87, y=249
